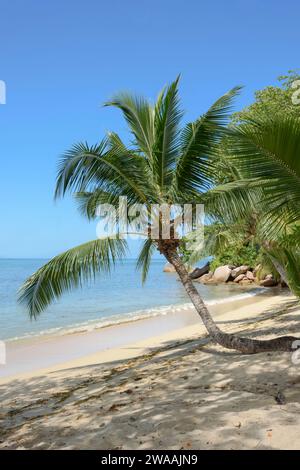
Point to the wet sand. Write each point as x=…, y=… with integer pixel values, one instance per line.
x=30, y=355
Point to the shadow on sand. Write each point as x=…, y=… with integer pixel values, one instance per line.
x=191, y=395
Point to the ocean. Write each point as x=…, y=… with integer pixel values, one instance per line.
x=114, y=298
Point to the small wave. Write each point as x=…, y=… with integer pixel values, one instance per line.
x=129, y=317
x=244, y=295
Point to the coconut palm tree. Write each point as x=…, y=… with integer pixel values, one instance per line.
x=163, y=165
x=265, y=154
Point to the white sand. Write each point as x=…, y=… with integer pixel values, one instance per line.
x=170, y=391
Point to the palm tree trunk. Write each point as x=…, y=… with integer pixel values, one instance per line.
x=227, y=340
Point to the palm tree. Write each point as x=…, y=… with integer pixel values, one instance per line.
x=162, y=165
x=265, y=156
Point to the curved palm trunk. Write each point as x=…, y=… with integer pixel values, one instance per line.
x=227, y=340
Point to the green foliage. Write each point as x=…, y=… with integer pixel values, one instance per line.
x=254, y=162
x=272, y=101
x=237, y=256
x=163, y=164
x=184, y=251
x=264, y=151
x=287, y=260
x=266, y=266
x=69, y=270
x=292, y=266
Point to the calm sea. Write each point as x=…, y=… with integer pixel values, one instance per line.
x=113, y=298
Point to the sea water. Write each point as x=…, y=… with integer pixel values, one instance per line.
x=113, y=298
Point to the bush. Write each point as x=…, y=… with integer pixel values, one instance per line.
x=237, y=256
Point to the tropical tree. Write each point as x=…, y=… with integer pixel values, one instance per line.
x=273, y=100
x=252, y=200
x=163, y=165
x=265, y=154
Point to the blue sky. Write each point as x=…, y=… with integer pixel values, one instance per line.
x=62, y=59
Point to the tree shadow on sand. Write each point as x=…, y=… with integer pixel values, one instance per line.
x=191, y=395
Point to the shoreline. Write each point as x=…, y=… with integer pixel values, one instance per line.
x=131, y=317
x=175, y=390
x=29, y=356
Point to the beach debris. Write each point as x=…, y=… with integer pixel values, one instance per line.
x=280, y=398
x=269, y=433
x=116, y=406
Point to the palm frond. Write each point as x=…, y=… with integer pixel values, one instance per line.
x=194, y=171
x=269, y=152
x=107, y=167
x=287, y=264
x=68, y=270
x=139, y=115
x=76, y=165
x=293, y=271
x=166, y=121
x=89, y=202
x=144, y=259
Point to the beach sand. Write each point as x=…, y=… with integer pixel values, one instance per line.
x=169, y=388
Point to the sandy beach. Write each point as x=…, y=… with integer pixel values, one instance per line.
x=172, y=390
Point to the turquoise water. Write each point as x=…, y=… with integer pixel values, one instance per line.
x=112, y=298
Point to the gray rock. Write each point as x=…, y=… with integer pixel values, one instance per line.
x=222, y=274
x=239, y=278
x=246, y=281
x=198, y=272
x=250, y=275
x=206, y=278
x=270, y=282
x=239, y=270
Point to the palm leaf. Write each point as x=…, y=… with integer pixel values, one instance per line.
x=232, y=201
x=68, y=270
x=268, y=153
x=194, y=171
x=106, y=166
x=140, y=117
x=144, y=258
x=166, y=146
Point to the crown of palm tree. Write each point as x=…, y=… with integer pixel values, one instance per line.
x=163, y=164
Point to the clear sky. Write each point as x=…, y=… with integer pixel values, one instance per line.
x=62, y=59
